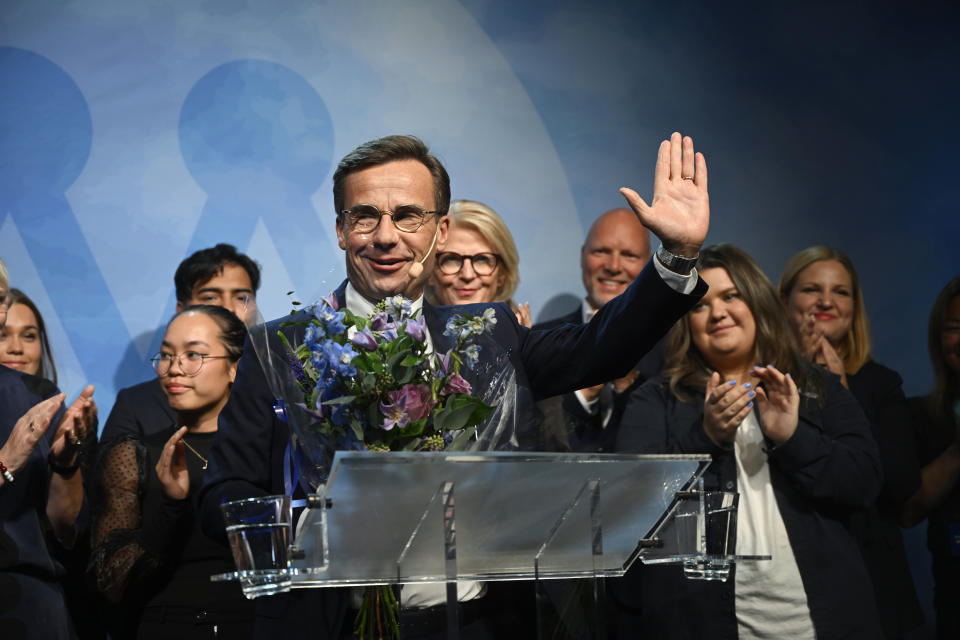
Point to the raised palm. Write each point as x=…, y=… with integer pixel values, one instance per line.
x=679, y=213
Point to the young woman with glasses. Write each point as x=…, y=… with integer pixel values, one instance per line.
x=150, y=556
x=478, y=262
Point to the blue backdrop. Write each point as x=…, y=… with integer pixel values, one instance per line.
x=132, y=133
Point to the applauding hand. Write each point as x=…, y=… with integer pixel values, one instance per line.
x=172, y=467
x=76, y=423
x=778, y=404
x=679, y=213
x=724, y=408
x=816, y=348
x=27, y=432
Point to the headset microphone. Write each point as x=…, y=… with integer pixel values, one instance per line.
x=417, y=267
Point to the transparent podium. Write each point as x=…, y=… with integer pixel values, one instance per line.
x=407, y=518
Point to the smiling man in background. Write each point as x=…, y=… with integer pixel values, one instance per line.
x=615, y=251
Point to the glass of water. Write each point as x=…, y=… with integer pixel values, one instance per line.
x=259, y=533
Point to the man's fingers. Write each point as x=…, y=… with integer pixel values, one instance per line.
x=701, y=176
x=688, y=169
x=676, y=155
x=636, y=203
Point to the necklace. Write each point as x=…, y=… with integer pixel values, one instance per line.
x=195, y=452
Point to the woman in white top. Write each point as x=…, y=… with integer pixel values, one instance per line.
x=789, y=438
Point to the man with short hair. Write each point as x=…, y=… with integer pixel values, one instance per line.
x=391, y=197
x=219, y=276
x=615, y=251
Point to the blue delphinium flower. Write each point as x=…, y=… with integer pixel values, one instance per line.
x=313, y=335
x=345, y=360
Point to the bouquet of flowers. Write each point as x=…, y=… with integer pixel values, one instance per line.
x=373, y=383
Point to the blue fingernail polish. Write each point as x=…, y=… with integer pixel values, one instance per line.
x=751, y=394
x=746, y=386
x=750, y=405
x=733, y=383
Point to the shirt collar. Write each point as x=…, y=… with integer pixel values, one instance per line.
x=587, y=311
x=360, y=306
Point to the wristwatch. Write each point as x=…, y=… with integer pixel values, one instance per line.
x=675, y=263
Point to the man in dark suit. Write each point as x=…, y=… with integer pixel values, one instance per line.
x=396, y=177
x=615, y=251
x=220, y=276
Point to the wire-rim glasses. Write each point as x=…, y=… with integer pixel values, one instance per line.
x=190, y=362
x=364, y=218
x=483, y=264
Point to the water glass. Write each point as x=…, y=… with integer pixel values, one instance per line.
x=259, y=533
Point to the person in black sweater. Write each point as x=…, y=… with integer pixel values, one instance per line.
x=150, y=557
x=821, y=294
x=936, y=420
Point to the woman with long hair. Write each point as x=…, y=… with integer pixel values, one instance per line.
x=788, y=438
x=150, y=556
x=24, y=344
x=937, y=423
x=823, y=301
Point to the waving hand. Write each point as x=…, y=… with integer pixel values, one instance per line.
x=679, y=213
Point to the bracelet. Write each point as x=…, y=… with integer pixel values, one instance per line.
x=6, y=473
x=64, y=471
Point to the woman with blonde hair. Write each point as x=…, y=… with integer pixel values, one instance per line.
x=479, y=261
x=821, y=294
x=783, y=434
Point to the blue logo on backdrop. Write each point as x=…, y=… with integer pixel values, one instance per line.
x=45, y=138
x=258, y=138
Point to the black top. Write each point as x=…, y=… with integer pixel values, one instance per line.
x=877, y=528
x=149, y=550
x=934, y=434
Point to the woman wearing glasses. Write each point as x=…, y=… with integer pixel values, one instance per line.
x=478, y=262
x=150, y=556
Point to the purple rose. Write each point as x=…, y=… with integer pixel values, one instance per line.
x=415, y=399
x=456, y=384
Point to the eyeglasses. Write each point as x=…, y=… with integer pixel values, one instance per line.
x=190, y=362
x=483, y=263
x=364, y=218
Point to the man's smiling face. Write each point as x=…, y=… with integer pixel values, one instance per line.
x=378, y=262
x=615, y=252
